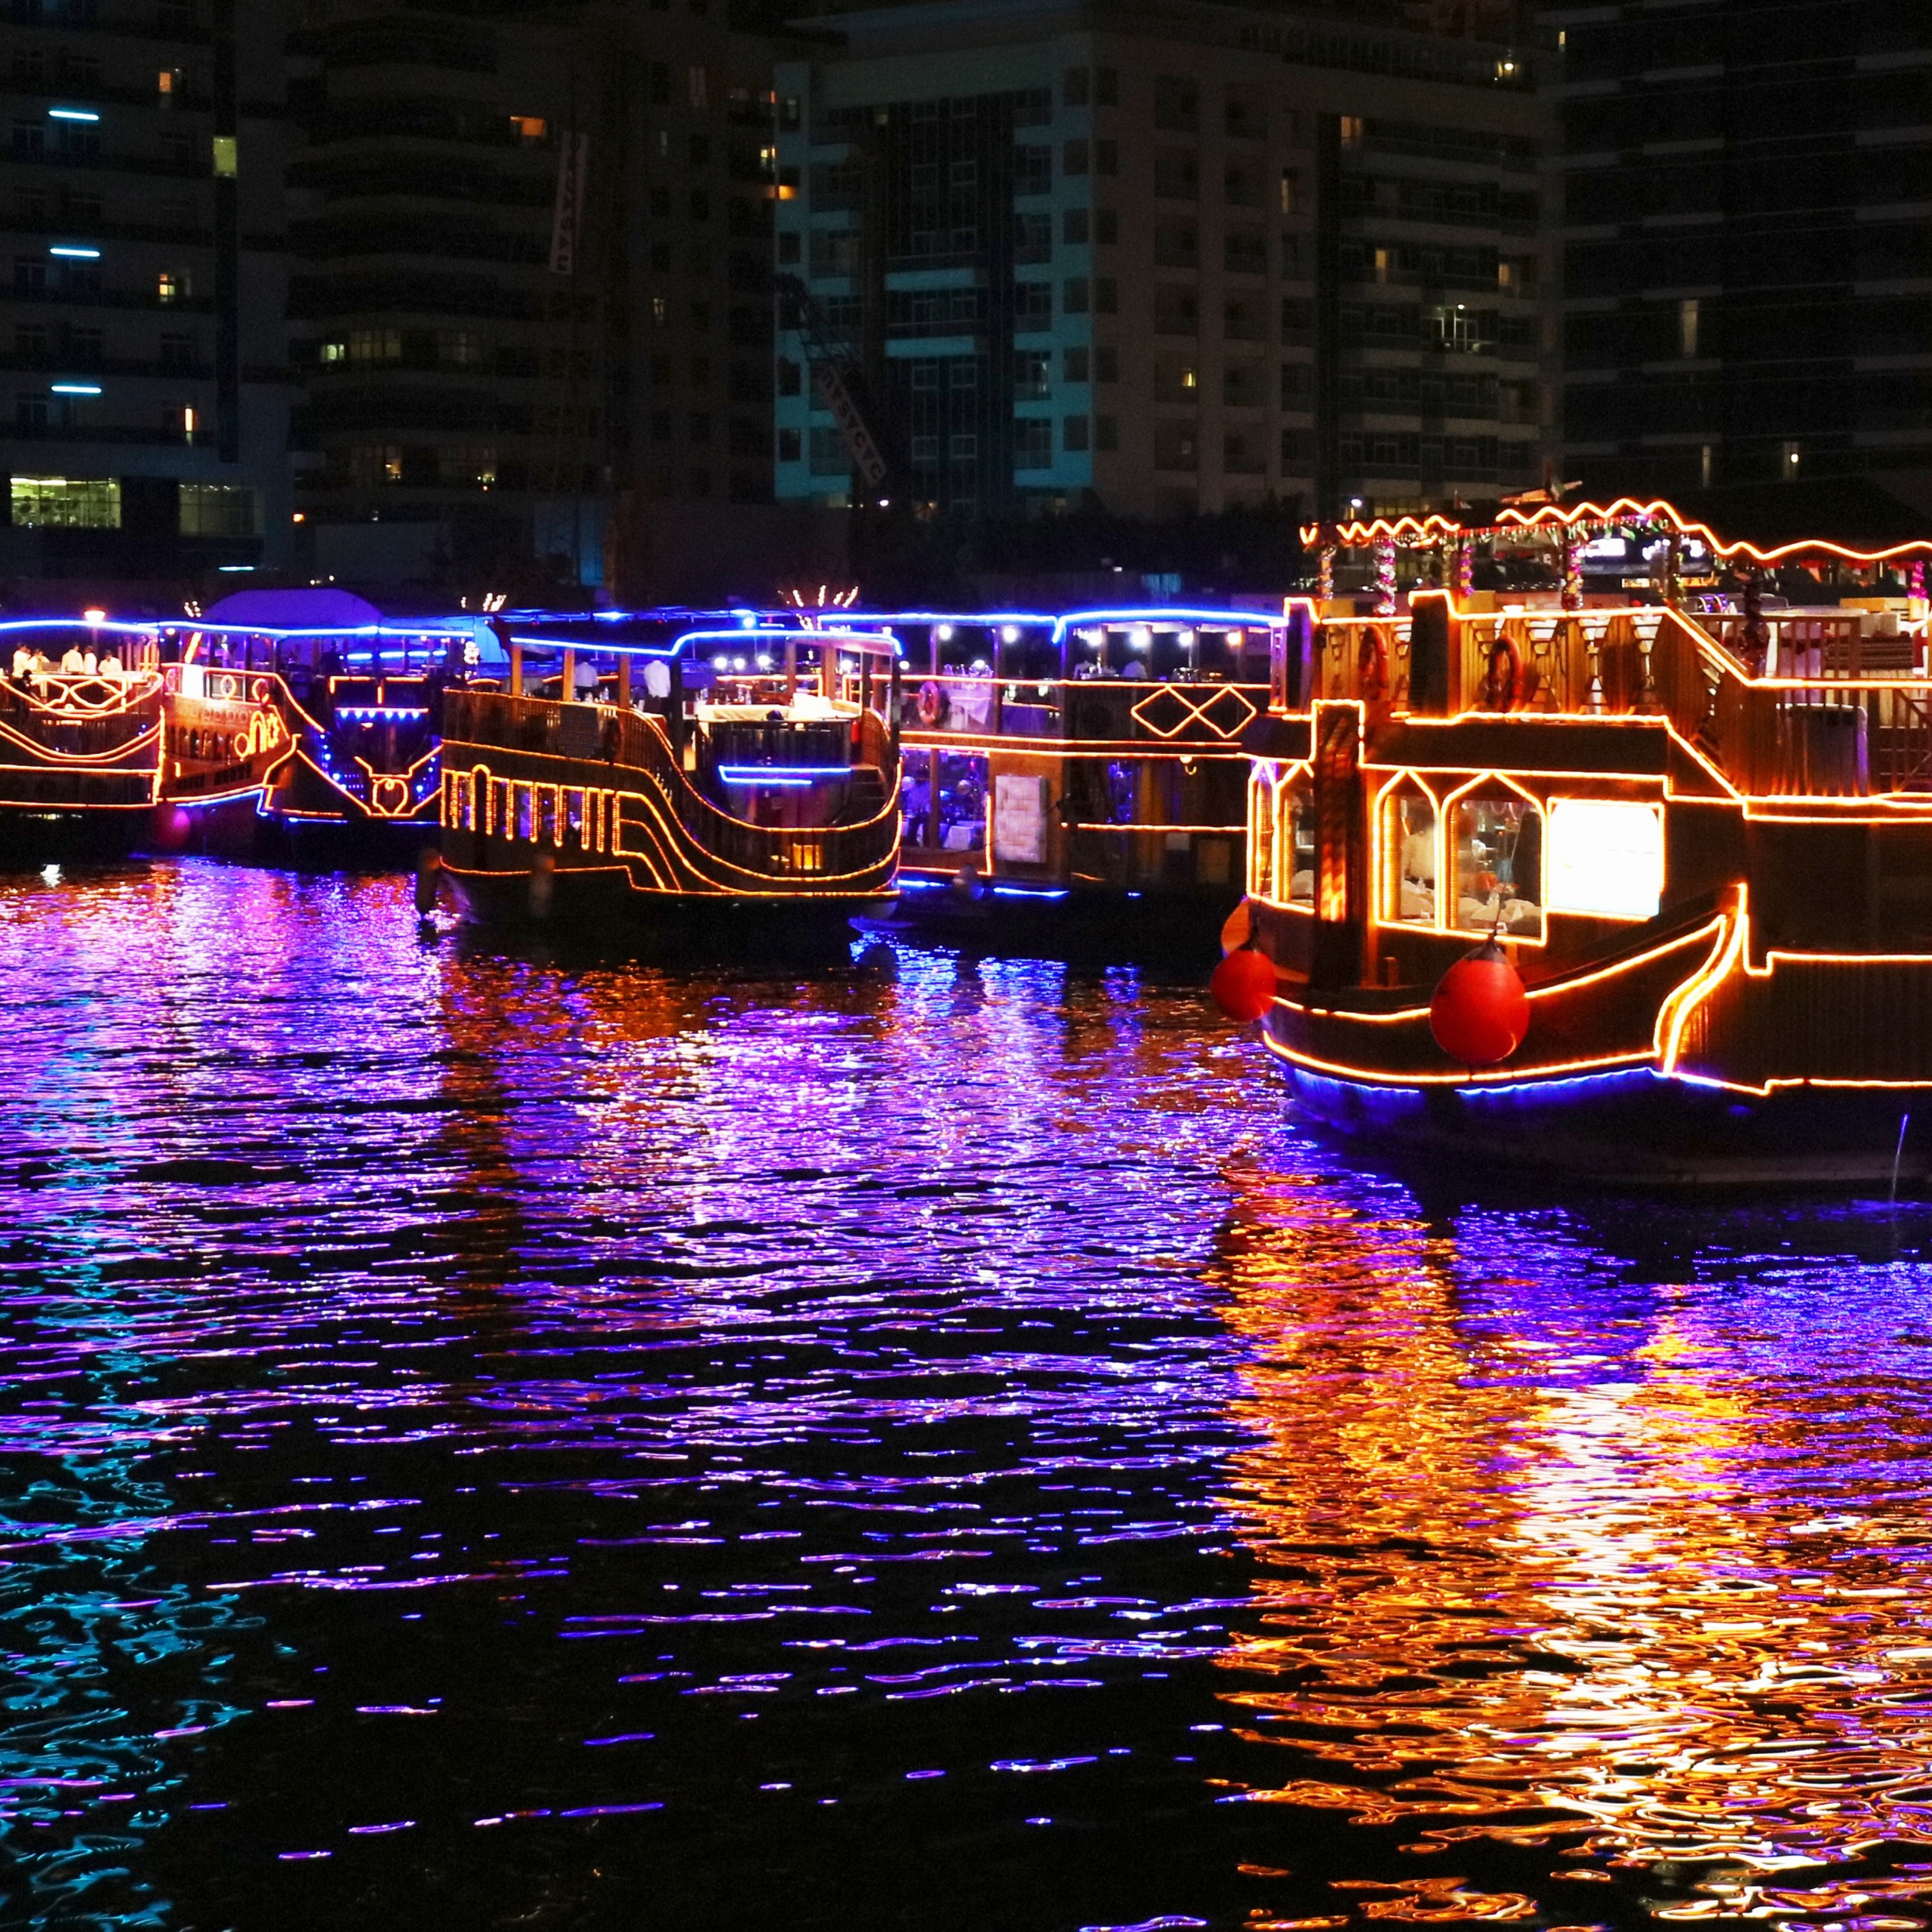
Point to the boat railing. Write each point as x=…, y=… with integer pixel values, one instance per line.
x=79, y=715
x=642, y=744
x=1824, y=644
x=1203, y=713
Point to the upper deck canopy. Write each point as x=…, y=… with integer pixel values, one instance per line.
x=1853, y=522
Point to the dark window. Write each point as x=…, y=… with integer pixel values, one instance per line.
x=1032, y=171
x=1176, y=104
x=1033, y=442
x=1032, y=304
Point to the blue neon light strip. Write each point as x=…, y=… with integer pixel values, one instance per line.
x=784, y=775
x=398, y=711
x=76, y=254
x=71, y=114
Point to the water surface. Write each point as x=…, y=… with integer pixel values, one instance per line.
x=493, y=1439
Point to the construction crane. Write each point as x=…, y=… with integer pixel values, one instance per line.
x=839, y=370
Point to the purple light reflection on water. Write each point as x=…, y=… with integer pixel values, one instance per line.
x=505, y=1436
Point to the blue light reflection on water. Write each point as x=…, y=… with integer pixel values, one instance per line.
x=503, y=1440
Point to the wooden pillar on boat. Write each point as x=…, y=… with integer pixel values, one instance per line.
x=567, y=683
x=624, y=681
x=1295, y=686
x=791, y=669
x=1341, y=847
x=993, y=704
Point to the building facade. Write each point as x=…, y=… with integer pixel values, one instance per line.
x=1179, y=257
x=1748, y=242
x=147, y=436
x=532, y=297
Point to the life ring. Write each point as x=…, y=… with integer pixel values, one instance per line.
x=1501, y=694
x=1372, y=666
x=932, y=704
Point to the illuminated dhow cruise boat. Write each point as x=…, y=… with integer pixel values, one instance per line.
x=1689, y=848
x=667, y=772
x=358, y=692
x=120, y=737
x=1077, y=783
x=80, y=727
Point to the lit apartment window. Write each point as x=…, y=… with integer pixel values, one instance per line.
x=1354, y=132
x=1688, y=317
x=226, y=157
x=62, y=503
x=529, y=128
x=168, y=86
x=172, y=285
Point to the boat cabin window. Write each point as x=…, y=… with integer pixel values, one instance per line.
x=1031, y=657
x=961, y=802
x=1408, y=850
x=1499, y=866
x=915, y=799
x=963, y=650
x=1294, y=815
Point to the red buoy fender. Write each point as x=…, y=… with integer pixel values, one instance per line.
x=1243, y=985
x=1480, y=1013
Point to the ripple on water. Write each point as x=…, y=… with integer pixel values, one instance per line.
x=495, y=1439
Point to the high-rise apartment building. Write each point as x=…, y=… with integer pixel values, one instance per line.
x=145, y=436
x=1748, y=242
x=532, y=292
x=1183, y=257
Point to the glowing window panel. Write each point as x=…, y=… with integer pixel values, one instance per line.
x=1606, y=857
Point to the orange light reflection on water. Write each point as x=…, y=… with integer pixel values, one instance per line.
x=1582, y=1569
